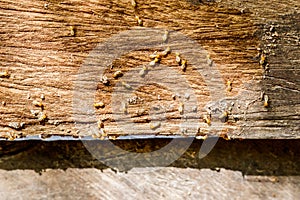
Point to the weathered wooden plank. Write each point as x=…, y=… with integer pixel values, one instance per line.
x=161, y=183
x=45, y=44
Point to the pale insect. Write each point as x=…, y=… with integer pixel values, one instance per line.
x=209, y=60
x=143, y=71
x=155, y=125
x=124, y=108
x=166, y=51
x=38, y=104
x=133, y=3
x=153, y=55
x=181, y=108
x=266, y=100
x=177, y=58
x=42, y=117
x=117, y=74
x=153, y=62
x=139, y=21
x=4, y=74
x=183, y=65
x=165, y=36
x=99, y=105
x=262, y=59
x=207, y=119
x=100, y=124
x=229, y=86
x=72, y=30
x=126, y=85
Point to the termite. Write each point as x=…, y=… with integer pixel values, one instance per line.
x=139, y=21
x=158, y=56
x=154, y=126
x=16, y=125
x=177, y=58
x=100, y=124
x=12, y=136
x=166, y=51
x=165, y=36
x=207, y=119
x=99, y=105
x=229, y=86
x=181, y=108
x=201, y=137
x=103, y=132
x=183, y=65
x=94, y=136
x=187, y=96
x=225, y=136
x=112, y=137
x=174, y=97
x=266, y=100
x=42, y=117
x=117, y=74
x=34, y=112
x=46, y=5
x=38, y=104
x=4, y=74
x=224, y=116
x=126, y=85
x=153, y=55
x=72, y=30
x=209, y=60
x=105, y=80
x=133, y=3
x=194, y=109
x=153, y=62
x=143, y=71
x=124, y=108
x=262, y=59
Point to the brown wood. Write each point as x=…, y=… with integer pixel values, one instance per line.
x=44, y=44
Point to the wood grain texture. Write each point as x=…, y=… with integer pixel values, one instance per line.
x=159, y=183
x=43, y=55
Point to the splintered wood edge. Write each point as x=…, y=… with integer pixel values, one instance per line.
x=254, y=50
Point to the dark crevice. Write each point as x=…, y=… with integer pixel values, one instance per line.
x=251, y=157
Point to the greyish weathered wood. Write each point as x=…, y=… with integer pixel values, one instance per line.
x=158, y=183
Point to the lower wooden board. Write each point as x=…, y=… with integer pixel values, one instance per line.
x=236, y=169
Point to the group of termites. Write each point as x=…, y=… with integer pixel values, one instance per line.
x=265, y=65
x=39, y=114
x=156, y=58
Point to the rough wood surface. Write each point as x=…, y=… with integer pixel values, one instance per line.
x=160, y=183
x=45, y=43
